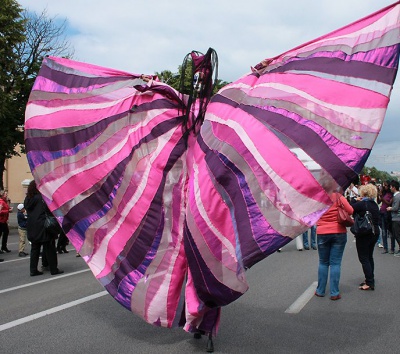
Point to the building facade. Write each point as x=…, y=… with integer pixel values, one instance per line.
x=16, y=178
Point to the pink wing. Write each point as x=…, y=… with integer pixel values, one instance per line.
x=150, y=210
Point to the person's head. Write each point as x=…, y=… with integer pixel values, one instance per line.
x=21, y=207
x=368, y=191
x=199, y=75
x=32, y=189
x=385, y=185
x=394, y=186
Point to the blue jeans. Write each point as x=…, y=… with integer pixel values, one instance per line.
x=330, y=251
x=313, y=234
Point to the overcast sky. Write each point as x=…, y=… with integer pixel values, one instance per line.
x=148, y=35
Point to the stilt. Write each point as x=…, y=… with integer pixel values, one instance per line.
x=198, y=334
x=210, y=344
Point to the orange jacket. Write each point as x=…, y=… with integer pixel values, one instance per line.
x=328, y=224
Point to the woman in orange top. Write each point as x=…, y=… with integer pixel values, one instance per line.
x=331, y=239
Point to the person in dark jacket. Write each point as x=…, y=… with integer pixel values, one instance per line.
x=36, y=233
x=62, y=243
x=365, y=244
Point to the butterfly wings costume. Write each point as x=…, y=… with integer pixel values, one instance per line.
x=169, y=210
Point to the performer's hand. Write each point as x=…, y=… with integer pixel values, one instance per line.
x=146, y=78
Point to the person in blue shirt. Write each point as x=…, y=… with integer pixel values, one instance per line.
x=22, y=221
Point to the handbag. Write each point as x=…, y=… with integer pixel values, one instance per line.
x=363, y=225
x=51, y=225
x=343, y=217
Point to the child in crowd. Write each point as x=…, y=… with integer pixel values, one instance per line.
x=22, y=220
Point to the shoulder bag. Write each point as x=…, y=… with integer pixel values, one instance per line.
x=363, y=224
x=51, y=225
x=343, y=217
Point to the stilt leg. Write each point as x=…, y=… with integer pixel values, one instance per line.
x=197, y=335
x=210, y=344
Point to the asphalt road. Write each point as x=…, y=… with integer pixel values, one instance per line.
x=71, y=313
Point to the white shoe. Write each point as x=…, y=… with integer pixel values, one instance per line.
x=380, y=245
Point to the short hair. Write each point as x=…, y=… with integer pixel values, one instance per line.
x=395, y=184
x=368, y=190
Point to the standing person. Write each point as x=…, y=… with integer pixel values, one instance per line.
x=395, y=213
x=299, y=243
x=331, y=239
x=313, y=234
x=22, y=221
x=5, y=211
x=62, y=243
x=352, y=193
x=365, y=244
x=36, y=233
x=385, y=198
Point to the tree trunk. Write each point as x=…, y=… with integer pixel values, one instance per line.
x=2, y=168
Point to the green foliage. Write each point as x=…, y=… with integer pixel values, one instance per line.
x=25, y=39
x=173, y=79
x=380, y=176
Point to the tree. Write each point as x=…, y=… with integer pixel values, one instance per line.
x=11, y=35
x=38, y=36
x=173, y=79
x=380, y=176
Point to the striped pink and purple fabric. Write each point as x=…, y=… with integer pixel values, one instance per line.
x=169, y=226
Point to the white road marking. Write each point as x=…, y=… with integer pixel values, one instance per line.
x=35, y=316
x=302, y=300
x=26, y=258
x=43, y=281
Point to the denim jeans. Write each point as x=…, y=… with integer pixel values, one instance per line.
x=313, y=234
x=330, y=251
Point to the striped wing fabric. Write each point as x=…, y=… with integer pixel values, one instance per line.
x=303, y=123
x=169, y=225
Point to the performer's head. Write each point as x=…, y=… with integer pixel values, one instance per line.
x=198, y=78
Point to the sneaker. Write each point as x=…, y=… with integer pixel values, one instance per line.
x=391, y=252
x=306, y=247
x=380, y=245
x=397, y=254
x=22, y=254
